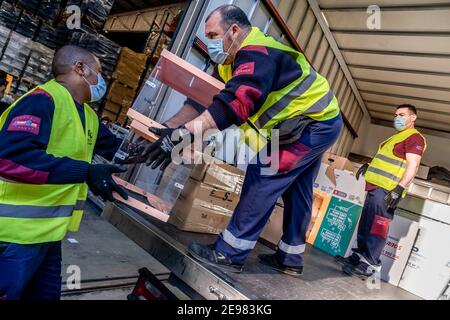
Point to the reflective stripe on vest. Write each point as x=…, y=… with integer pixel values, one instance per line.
x=80, y=205
x=309, y=95
x=386, y=169
x=384, y=174
x=15, y=211
x=391, y=160
x=32, y=213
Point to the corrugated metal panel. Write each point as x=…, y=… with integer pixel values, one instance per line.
x=406, y=20
x=381, y=3
x=304, y=25
x=407, y=60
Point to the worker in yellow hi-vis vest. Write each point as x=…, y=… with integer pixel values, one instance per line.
x=387, y=177
x=47, y=140
x=270, y=88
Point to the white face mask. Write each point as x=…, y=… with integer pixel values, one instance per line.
x=216, y=50
x=400, y=123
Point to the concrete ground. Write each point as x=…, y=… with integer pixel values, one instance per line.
x=109, y=262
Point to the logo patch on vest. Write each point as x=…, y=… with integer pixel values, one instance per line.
x=245, y=68
x=25, y=123
x=90, y=137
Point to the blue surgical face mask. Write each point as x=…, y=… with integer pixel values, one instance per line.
x=97, y=90
x=400, y=123
x=216, y=50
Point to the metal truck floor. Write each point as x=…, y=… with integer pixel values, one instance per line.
x=322, y=278
x=108, y=261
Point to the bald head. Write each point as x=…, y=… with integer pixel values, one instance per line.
x=77, y=70
x=66, y=57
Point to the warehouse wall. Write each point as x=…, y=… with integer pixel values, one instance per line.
x=369, y=139
x=305, y=27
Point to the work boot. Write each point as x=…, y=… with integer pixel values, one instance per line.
x=361, y=270
x=271, y=261
x=209, y=255
x=351, y=260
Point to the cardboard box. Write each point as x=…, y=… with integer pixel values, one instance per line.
x=220, y=175
x=335, y=162
x=130, y=67
x=395, y=255
x=427, y=273
x=199, y=216
x=121, y=95
x=344, y=186
x=335, y=226
x=198, y=190
x=274, y=228
x=113, y=107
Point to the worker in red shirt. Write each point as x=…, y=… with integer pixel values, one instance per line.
x=387, y=177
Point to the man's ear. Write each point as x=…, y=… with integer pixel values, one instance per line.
x=235, y=28
x=79, y=68
x=413, y=117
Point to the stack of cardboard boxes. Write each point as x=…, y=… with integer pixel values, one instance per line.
x=337, y=205
x=208, y=199
x=126, y=77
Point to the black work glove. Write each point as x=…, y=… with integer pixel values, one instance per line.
x=362, y=170
x=159, y=153
x=135, y=151
x=393, y=198
x=101, y=183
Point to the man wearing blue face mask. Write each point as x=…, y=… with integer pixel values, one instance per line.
x=47, y=141
x=388, y=175
x=268, y=86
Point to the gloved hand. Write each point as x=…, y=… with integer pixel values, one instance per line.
x=135, y=150
x=101, y=183
x=393, y=198
x=362, y=170
x=159, y=153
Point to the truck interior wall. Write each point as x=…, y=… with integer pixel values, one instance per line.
x=369, y=139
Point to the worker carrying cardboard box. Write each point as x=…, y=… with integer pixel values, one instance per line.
x=268, y=86
x=47, y=140
x=388, y=175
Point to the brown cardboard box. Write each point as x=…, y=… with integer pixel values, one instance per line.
x=274, y=229
x=336, y=162
x=111, y=115
x=220, y=175
x=113, y=107
x=130, y=67
x=198, y=190
x=120, y=94
x=199, y=216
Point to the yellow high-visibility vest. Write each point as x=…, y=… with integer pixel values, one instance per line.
x=31, y=213
x=386, y=169
x=310, y=95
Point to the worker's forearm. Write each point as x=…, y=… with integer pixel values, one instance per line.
x=186, y=114
x=410, y=173
x=203, y=123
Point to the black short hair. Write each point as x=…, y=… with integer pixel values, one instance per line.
x=410, y=107
x=231, y=14
x=66, y=56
